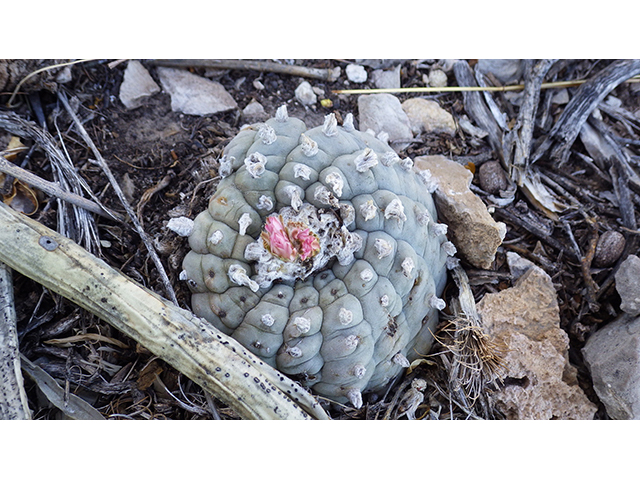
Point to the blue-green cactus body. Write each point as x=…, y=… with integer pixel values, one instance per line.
x=351, y=322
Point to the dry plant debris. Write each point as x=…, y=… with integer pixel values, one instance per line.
x=572, y=190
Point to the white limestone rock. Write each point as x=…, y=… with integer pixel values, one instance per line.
x=427, y=116
x=472, y=230
x=305, y=94
x=612, y=355
x=382, y=112
x=137, y=85
x=193, y=94
x=539, y=383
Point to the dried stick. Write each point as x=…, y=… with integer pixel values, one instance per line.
x=330, y=75
x=53, y=189
x=520, y=137
x=116, y=187
x=13, y=398
x=216, y=362
x=476, y=107
x=577, y=111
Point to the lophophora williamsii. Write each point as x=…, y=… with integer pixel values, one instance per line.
x=321, y=253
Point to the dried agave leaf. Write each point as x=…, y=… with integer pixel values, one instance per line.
x=72, y=406
x=543, y=198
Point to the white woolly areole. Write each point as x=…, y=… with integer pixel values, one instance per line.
x=383, y=247
x=427, y=178
x=215, y=238
x=366, y=275
x=268, y=319
x=335, y=181
x=226, y=166
x=359, y=370
x=265, y=203
x=182, y=226
x=295, y=352
x=302, y=324
x=389, y=159
x=407, y=266
x=347, y=124
x=401, y=360
x=238, y=275
x=309, y=146
x=395, y=209
x=255, y=164
x=345, y=316
x=300, y=170
x=243, y=223
x=436, y=302
x=368, y=210
x=330, y=125
x=384, y=300
x=351, y=341
x=267, y=134
x=281, y=114
x=449, y=248
x=366, y=160
x=355, y=397
x=439, y=229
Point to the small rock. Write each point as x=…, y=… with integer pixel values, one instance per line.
x=254, y=111
x=305, y=94
x=538, y=381
x=628, y=286
x=193, y=94
x=382, y=112
x=506, y=71
x=609, y=248
x=257, y=84
x=137, y=85
x=427, y=116
x=612, y=355
x=475, y=234
x=386, y=78
x=356, y=73
x=437, y=78
x=492, y=177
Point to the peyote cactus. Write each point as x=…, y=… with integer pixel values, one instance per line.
x=321, y=253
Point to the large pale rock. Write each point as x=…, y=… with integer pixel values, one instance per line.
x=137, y=85
x=538, y=382
x=193, y=94
x=472, y=230
x=427, y=116
x=628, y=285
x=382, y=112
x=612, y=355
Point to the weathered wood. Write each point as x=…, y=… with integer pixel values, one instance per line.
x=13, y=399
x=560, y=140
x=216, y=362
x=518, y=145
x=476, y=107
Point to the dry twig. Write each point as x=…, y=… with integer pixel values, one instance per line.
x=116, y=187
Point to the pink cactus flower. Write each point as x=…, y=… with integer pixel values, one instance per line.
x=277, y=241
x=306, y=241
